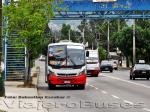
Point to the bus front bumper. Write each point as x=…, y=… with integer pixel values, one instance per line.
x=73, y=80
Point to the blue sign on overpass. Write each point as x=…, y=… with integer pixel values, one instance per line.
x=87, y=9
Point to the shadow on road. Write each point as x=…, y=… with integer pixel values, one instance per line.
x=59, y=88
x=141, y=79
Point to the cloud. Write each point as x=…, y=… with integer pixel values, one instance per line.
x=57, y=24
x=54, y=26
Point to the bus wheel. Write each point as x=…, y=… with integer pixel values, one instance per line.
x=81, y=86
x=96, y=75
x=51, y=86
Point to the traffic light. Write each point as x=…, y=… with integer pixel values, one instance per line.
x=97, y=35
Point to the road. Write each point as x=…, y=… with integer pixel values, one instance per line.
x=110, y=92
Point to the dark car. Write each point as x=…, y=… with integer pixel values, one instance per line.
x=106, y=66
x=140, y=71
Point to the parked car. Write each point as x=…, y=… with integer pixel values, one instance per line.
x=106, y=66
x=42, y=58
x=140, y=71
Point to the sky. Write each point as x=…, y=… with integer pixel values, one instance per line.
x=57, y=24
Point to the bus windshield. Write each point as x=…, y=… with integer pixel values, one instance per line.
x=66, y=56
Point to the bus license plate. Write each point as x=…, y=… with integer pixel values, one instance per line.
x=144, y=72
x=106, y=68
x=66, y=82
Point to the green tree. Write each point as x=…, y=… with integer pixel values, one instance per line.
x=29, y=18
x=145, y=25
x=89, y=33
x=124, y=40
x=102, y=53
x=2, y=89
x=74, y=35
x=65, y=31
x=96, y=31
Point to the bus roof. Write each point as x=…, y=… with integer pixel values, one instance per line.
x=66, y=43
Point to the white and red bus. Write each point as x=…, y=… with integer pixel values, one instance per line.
x=66, y=64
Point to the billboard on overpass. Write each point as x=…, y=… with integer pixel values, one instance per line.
x=118, y=5
x=104, y=0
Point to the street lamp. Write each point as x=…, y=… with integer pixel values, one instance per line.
x=108, y=36
x=134, y=46
x=83, y=35
x=131, y=23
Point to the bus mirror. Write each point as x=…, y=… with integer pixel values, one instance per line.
x=87, y=53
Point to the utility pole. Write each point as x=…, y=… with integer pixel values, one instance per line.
x=108, y=36
x=69, y=34
x=134, y=46
x=83, y=35
x=55, y=36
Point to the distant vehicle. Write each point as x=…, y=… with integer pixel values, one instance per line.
x=106, y=65
x=93, y=63
x=114, y=57
x=140, y=71
x=114, y=64
x=42, y=58
x=66, y=64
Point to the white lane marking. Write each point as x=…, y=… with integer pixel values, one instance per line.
x=115, y=96
x=104, y=92
x=126, y=101
x=93, y=86
x=128, y=81
x=96, y=88
x=146, y=109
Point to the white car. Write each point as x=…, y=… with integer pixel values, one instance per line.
x=114, y=64
x=42, y=58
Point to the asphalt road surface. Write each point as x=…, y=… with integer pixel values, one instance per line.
x=110, y=92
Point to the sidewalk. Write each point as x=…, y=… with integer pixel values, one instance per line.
x=18, y=99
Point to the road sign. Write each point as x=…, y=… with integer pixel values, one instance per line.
x=119, y=5
x=104, y=0
x=88, y=9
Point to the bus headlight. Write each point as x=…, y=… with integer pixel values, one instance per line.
x=51, y=72
x=81, y=72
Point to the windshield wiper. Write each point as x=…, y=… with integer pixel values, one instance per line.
x=72, y=61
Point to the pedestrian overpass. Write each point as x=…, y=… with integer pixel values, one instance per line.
x=74, y=10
